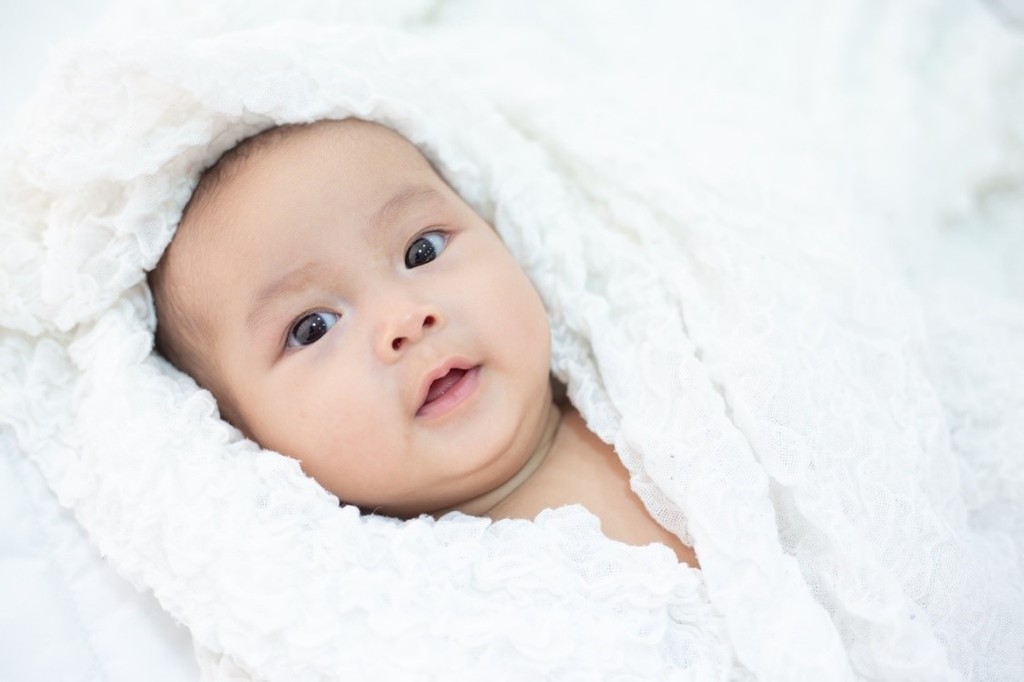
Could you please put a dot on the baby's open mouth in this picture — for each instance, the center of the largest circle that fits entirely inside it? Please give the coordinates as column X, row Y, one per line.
column 441, row 386
column 448, row 390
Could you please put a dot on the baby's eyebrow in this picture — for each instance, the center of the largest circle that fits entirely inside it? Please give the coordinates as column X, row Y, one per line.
column 401, row 201
column 294, row 280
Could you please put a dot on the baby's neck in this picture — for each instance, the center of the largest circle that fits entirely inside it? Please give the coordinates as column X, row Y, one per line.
column 501, row 496
column 559, row 467
column 571, row 465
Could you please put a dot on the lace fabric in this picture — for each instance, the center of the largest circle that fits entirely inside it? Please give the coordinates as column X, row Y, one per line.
column 845, row 459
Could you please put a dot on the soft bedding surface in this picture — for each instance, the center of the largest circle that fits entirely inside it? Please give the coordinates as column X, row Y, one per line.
column 793, row 397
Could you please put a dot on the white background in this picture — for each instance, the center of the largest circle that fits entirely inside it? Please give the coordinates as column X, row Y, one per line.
column 27, row 30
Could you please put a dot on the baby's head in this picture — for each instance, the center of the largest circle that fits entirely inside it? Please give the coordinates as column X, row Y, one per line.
column 347, row 308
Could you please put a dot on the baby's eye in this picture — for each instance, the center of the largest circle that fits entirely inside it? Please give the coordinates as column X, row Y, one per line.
column 424, row 249
column 310, row 328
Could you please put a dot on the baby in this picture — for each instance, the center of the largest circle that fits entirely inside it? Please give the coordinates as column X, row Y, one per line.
column 348, row 309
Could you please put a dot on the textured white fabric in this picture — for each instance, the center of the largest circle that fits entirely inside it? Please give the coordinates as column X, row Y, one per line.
column 846, row 462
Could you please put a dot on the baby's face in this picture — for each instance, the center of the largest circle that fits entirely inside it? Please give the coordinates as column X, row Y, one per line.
column 365, row 320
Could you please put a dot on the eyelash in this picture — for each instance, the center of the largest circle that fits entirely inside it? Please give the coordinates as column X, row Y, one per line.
column 322, row 314
column 434, row 251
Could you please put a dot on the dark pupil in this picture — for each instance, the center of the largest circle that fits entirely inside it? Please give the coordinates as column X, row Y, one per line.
column 310, row 328
column 422, row 251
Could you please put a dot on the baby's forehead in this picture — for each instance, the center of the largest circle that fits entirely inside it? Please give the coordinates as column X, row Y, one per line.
column 279, row 176
column 361, row 141
column 356, row 136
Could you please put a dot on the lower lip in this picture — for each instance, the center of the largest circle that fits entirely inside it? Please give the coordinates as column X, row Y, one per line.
column 456, row 395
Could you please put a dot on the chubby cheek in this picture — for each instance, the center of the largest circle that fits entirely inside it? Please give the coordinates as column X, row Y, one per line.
column 346, row 450
column 519, row 319
column 328, row 424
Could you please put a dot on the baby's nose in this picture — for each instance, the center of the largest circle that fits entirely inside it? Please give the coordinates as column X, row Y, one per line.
column 414, row 330
column 405, row 328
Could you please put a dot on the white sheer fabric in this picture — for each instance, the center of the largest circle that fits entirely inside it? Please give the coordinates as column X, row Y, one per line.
column 726, row 311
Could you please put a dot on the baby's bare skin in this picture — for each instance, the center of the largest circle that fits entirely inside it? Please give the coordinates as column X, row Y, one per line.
column 582, row 469
column 348, row 309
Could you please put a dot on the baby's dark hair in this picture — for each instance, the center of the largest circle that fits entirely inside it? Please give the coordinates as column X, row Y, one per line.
column 180, row 336
column 233, row 161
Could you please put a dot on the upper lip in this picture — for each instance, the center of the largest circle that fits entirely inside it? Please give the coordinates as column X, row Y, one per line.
column 438, row 372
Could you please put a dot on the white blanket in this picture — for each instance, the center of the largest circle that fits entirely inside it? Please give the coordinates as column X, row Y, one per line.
column 725, row 310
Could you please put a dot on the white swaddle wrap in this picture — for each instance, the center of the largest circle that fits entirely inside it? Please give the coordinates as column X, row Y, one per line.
column 756, row 361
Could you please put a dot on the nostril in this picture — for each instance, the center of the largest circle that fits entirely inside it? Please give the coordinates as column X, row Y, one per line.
column 396, row 344
column 429, row 321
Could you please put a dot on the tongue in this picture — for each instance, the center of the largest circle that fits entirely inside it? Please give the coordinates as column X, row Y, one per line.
column 442, row 385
